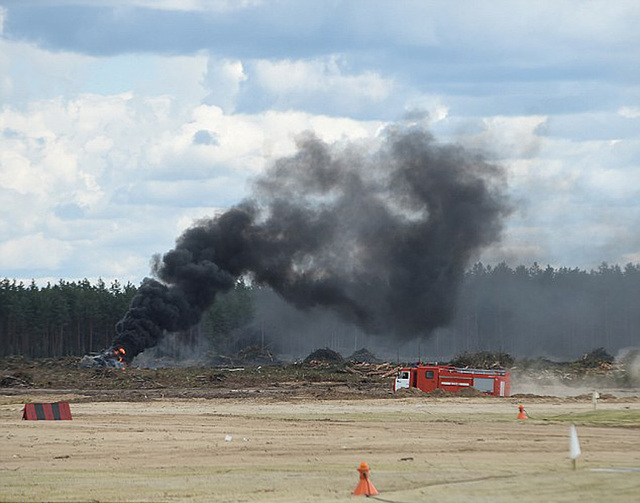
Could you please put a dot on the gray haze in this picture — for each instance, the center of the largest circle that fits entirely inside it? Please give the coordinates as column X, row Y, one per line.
column 379, row 236
column 560, row 314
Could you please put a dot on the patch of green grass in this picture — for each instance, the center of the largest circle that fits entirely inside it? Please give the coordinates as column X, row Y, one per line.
column 620, row 418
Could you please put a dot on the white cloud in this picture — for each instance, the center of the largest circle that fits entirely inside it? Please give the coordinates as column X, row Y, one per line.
column 28, row 72
column 33, row 252
column 114, row 176
column 574, row 192
column 614, row 184
column 223, row 79
column 541, row 31
column 244, row 142
column 630, row 112
column 292, row 81
column 514, row 137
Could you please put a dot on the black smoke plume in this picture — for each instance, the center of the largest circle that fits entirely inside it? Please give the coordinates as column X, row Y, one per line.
column 381, row 235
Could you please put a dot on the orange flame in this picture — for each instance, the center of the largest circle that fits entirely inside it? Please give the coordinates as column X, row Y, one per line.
column 119, row 354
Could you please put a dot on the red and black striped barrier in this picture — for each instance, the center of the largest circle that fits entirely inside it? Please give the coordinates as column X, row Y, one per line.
column 47, row 411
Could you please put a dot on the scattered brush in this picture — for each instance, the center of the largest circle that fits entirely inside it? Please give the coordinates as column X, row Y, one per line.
column 483, row 360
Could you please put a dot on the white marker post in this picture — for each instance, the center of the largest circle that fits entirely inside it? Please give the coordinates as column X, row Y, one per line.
column 594, row 399
column 574, row 445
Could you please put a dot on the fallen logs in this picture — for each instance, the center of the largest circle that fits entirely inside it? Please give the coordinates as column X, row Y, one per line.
column 372, row 369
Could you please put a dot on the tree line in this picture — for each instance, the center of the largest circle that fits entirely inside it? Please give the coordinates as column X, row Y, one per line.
column 67, row 318
column 550, row 311
column 525, row 311
column 77, row 318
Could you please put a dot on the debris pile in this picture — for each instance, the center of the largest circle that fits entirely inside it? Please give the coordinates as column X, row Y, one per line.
column 363, row 355
column 324, row 356
column 598, row 358
column 16, row 379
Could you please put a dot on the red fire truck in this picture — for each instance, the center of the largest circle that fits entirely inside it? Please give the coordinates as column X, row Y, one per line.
column 431, row 377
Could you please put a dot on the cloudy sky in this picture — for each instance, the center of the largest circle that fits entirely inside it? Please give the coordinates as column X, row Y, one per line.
column 122, row 121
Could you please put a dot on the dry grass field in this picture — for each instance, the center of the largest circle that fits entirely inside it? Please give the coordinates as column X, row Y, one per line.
column 262, row 446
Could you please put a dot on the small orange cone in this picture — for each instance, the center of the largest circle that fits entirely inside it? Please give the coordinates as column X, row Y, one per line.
column 364, row 487
column 522, row 414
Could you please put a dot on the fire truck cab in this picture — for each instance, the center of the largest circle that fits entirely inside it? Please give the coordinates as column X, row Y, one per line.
column 431, row 377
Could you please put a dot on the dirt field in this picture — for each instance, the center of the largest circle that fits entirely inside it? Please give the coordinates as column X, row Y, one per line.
column 259, row 445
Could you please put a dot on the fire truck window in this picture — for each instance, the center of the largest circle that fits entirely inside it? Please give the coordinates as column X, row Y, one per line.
column 404, row 375
column 429, row 374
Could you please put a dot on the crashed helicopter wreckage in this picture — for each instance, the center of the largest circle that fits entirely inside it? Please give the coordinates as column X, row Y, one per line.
column 110, row 358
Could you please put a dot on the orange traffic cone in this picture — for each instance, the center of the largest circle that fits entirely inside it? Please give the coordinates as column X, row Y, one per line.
column 522, row 414
column 364, row 487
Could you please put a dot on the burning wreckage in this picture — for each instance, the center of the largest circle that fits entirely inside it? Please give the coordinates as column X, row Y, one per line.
column 111, row 358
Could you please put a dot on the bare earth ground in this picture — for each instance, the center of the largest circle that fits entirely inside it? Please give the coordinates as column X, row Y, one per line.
column 304, row 443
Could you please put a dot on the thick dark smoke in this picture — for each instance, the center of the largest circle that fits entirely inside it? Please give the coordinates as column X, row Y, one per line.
column 381, row 236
